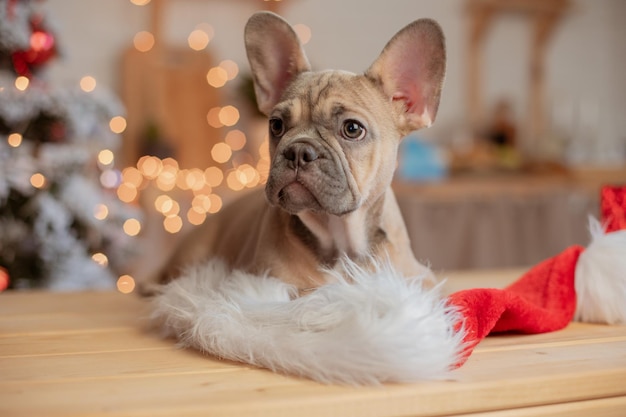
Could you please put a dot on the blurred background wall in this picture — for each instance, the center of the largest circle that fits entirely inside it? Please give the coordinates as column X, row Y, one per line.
column 585, row 63
column 482, row 188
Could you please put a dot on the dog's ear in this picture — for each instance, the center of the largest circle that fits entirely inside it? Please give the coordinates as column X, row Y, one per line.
column 276, row 57
column 411, row 68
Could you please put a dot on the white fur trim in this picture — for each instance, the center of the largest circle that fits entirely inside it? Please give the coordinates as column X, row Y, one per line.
column 381, row 327
column 601, row 278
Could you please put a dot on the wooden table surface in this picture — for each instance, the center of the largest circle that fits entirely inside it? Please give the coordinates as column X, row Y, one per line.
column 88, row 354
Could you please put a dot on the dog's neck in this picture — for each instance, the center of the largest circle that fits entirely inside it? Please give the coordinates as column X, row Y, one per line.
column 354, row 234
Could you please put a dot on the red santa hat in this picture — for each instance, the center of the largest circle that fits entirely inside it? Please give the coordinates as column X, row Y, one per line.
column 583, row 284
column 378, row 326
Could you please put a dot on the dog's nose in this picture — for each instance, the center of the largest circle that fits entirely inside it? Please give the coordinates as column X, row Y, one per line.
column 300, row 154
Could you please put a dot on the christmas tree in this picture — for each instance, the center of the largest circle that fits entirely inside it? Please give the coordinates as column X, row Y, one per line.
column 61, row 225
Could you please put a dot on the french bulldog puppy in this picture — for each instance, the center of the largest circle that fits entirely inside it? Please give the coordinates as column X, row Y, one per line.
column 334, row 138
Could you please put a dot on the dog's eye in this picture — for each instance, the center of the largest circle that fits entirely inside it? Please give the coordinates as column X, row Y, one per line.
column 277, row 127
column 352, row 130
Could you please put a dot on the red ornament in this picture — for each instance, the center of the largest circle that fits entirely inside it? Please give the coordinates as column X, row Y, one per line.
column 4, row 279
column 613, row 207
column 42, row 49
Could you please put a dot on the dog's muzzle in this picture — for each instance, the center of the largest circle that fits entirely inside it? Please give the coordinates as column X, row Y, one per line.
column 299, row 155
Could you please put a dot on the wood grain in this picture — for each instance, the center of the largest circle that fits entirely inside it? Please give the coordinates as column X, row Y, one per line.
column 90, row 354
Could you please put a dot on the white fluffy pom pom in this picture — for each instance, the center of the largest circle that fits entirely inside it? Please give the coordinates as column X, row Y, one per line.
column 601, row 278
column 366, row 328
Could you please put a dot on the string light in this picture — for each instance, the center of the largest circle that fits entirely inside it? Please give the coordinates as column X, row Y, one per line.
column 198, row 39
column 172, row 208
column 150, row 166
column 231, row 68
column 106, row 157
column 173, row 224
column 37, row 180
column 221, row 152
column 195, row 217
column 195, row 179
column 125, row 284
column 207, row 28
column 163, row 203
column 100, row 258
column 213, row 176
column 14, row 140
column 248, row 176
column 117, row 124
column 101, row 212
column 143, row 41
column 236, row 139
column 229, row 115
column 244, row 170
column 232, row 180
column 88, row 84
column 166, row 180
column 132, row 227
column 21, row 83
column 217, row 77
column 109, row 178
column 206, row 189
column 216, row 203
column 132, row 176
column 201, row 203
column 181, row 180
column 213, row 117
column 127, row 192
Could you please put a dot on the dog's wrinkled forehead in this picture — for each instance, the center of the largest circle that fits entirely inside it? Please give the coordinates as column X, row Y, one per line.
column 326, row 95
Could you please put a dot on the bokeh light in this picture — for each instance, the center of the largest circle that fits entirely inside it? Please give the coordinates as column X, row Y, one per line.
column 236, row 139
column 198, row 39
column 14, row 140
column 21, row 83
column 195, row 217
column 127, row 192
column 88, row 83
column 217, row 77
column 143, row 41
column 213, row 176
column 109, row 178
column 232, row 181
column 213, row 117
column 37, row 180
column 216, row 203
column 100, row 258
column 229, row 115
column 132, row 176
column 125, row 284
column 201, row 203
column 132, row 227
column 117, row 124
column 166, row 180
column 106, row 157
column 221, row 152
column 163, row 203
column 173, row 224
column 231, row 68
column 150, row 166
column 101, row 212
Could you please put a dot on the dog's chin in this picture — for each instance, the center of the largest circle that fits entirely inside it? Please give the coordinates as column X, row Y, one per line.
column 295, row 197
